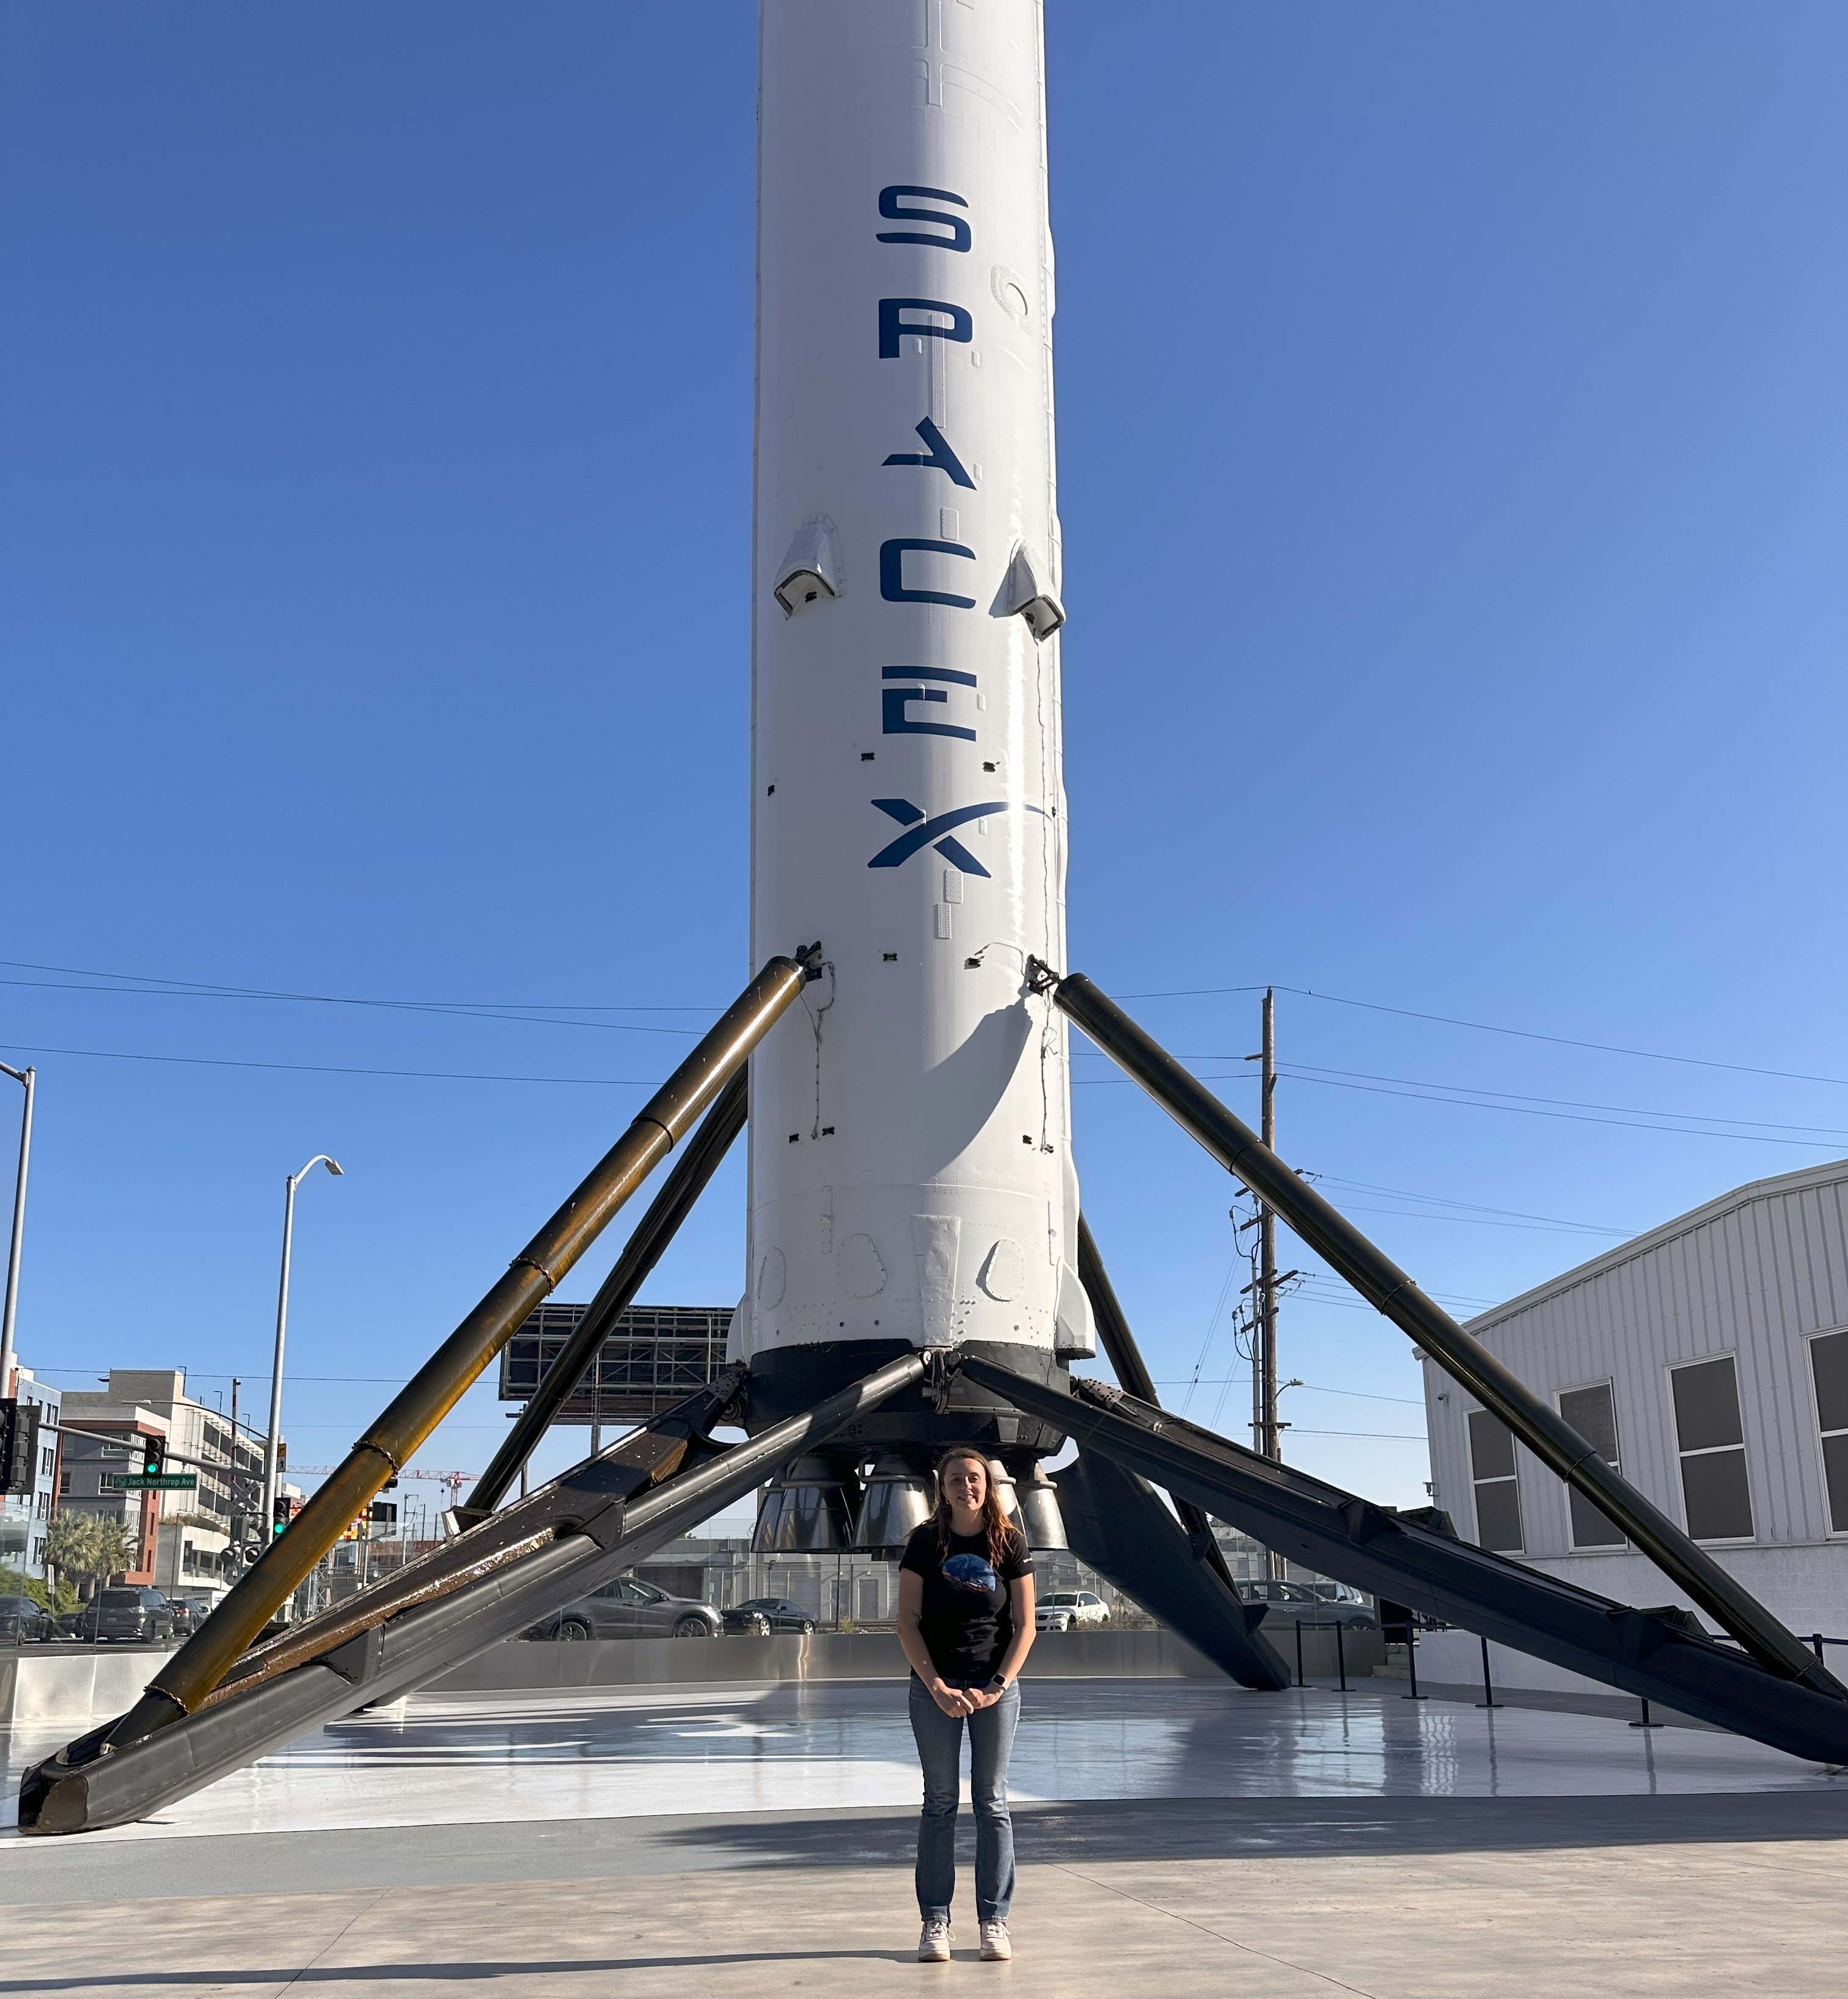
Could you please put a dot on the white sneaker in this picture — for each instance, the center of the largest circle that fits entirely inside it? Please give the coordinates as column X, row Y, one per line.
column 997, row 1947
column 934, row 1941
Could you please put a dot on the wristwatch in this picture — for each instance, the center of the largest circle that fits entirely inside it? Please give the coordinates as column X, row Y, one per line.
column 1000, row 1680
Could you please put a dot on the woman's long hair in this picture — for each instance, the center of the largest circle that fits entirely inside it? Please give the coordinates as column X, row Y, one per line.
column 993, row 1519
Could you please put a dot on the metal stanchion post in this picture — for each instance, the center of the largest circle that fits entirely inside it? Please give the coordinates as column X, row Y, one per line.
column 1645, row 1722
column 1412, row 1664
column 1299, row 1651
column 1815, row 1645
column 1488, row 1698
column 1340, row 1656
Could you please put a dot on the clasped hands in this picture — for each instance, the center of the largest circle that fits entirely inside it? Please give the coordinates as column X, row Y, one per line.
column 959, row 1701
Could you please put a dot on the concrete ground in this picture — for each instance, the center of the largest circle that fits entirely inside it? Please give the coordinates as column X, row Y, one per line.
column 1177, row 1837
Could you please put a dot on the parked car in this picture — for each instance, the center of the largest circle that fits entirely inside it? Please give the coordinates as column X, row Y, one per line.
column 1296, row 1602
column 79, row 1624
column 628, row 1609
column 1069, row 1610
column 130, row 1613
column 188, row 1613
column 778, row 1614
column 23, row 1622
column 1337, row 1592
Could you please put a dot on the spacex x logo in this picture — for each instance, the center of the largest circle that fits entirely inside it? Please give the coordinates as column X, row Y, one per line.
column 935, row 832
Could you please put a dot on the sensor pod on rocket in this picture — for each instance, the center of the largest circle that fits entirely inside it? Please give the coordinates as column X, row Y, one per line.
column 911, row 1178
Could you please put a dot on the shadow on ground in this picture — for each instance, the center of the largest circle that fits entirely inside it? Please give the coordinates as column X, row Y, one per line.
column 79, row 1870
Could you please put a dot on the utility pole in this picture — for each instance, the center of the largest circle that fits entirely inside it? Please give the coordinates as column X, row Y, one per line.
column 29, row 1077
column 1264, row 1434
column 1265, row 1346
column 1263, row 1288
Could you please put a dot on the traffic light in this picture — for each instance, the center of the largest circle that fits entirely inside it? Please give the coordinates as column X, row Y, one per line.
column 18, row 1446
column 153, row 1457
column 284, row 1513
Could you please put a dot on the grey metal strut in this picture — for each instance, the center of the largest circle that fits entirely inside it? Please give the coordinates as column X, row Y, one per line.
column 183, row 1681
column 1125, row 1356
column 1660, row 1655
column 567, row 1540
column 699, row 1159
column 1378, row 1280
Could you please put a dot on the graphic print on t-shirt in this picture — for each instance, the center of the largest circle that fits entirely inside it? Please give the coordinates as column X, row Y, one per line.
column 971, row 1572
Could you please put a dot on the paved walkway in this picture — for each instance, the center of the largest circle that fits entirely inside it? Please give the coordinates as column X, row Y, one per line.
column 1186, row 1838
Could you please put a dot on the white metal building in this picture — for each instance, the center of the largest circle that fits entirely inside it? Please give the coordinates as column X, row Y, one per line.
column 1709, row 1360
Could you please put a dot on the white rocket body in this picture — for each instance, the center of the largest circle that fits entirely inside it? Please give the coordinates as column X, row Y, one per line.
column 911, row 1173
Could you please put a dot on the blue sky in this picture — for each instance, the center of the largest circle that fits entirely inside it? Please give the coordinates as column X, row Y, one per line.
column 1451, row 429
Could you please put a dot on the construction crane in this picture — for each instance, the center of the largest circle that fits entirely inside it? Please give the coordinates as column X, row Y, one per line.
column 455, row 1480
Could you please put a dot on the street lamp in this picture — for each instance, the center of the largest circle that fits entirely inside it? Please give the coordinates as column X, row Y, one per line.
column 267, row 1530
column 29, row 1078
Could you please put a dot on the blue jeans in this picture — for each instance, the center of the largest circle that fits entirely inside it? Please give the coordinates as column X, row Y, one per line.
column 940, row 1750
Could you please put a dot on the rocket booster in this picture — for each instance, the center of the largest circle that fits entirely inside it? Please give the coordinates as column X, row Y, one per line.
column 911, row 1173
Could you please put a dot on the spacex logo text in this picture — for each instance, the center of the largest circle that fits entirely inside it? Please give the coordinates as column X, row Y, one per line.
column 925, row 832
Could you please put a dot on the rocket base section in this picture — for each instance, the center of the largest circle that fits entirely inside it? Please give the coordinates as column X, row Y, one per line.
column 1657, row 1655
column 1114, row 1523
column 785, row 1380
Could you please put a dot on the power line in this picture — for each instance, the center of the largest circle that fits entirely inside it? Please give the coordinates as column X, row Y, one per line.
column 1482, row 1220
column 1307, row 1072
column 533, row 1012
column 1476, row 1207
column 205, row 1374
column 1372, row 1436
column 1621, row 1124
column 156, row 985
column 154, row 980
column 1490, row 1027
column 329, row 1068
column 1309, row 1387
column 1312, row 1072
column 1427, row 1094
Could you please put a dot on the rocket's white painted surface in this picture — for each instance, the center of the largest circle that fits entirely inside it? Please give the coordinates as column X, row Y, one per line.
column 911, row 1174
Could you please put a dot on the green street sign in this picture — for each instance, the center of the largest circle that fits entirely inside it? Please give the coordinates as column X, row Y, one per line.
column 155, row 1481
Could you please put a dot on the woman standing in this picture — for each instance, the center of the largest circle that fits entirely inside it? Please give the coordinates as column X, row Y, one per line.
column 966, row 1620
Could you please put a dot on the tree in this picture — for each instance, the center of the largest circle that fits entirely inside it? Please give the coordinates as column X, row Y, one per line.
column 93, row 1547
column 16, row 1582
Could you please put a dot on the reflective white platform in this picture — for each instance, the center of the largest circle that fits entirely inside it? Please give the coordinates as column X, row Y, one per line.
column 844, row 1745
column 1176, row 1838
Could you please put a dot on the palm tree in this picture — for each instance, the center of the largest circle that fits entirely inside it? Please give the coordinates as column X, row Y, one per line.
column 90, row 1547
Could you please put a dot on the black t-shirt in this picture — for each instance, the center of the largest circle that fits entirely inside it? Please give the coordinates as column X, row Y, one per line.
column 967, row 1621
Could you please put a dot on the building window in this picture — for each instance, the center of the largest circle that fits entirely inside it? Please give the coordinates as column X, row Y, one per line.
column 1712, row 1443
column 1497, row 1490
column 1592, row 1413
column 1829, row 1370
